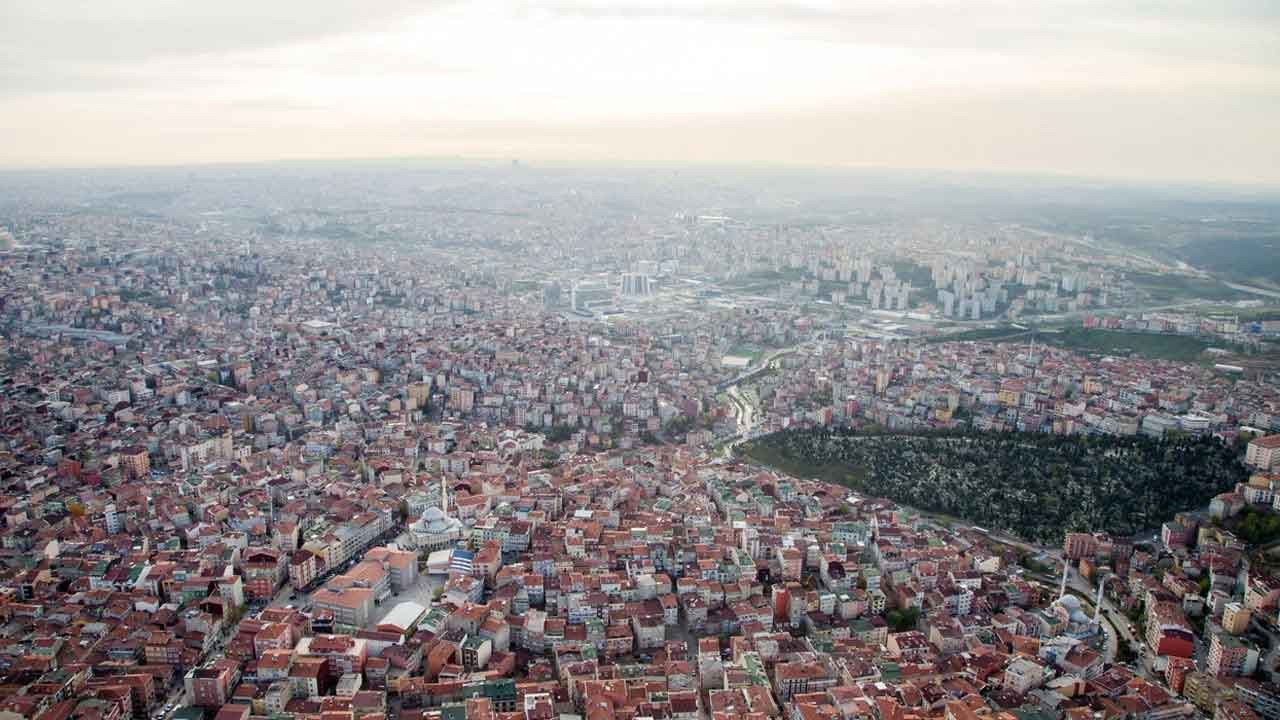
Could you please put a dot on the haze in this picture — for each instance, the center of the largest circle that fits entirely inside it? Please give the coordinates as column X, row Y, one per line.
column 1153, row 91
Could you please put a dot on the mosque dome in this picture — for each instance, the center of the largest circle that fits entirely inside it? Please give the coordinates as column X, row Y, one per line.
column 434, row 521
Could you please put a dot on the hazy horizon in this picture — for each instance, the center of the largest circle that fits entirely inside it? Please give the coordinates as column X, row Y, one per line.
column 1179, row 93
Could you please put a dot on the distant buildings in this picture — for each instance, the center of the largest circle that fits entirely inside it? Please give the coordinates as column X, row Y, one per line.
column 587, row 294
column 198, row 438
column 637, row 285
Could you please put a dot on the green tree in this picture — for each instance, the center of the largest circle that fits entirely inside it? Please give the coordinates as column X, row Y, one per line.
column 904, row 619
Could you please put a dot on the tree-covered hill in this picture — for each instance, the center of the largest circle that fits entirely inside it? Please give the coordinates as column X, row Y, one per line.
column 1032, row 485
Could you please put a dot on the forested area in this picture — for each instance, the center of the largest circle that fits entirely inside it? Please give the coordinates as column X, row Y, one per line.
column 1036, row 486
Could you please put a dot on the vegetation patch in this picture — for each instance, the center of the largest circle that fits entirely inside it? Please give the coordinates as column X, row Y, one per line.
column 1180, row 288
column 751, row 352
column 1256, row 527
column 1117, row 342
column 1032, row 485
column 1158, row 346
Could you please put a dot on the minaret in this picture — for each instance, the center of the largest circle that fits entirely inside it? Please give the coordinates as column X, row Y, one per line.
column 444, row 496
column 1066, row 570
column 1097, row 606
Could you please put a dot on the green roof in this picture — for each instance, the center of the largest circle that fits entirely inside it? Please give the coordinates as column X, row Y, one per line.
column 499, row 689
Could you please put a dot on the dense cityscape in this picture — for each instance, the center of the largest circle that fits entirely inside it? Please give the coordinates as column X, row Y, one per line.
column 496, row 442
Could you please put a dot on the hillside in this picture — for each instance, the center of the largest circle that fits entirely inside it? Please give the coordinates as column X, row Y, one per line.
column 1032, row 485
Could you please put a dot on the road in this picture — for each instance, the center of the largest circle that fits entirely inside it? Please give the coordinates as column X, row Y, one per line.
column 1253, row 290
column 743, row 410
column 285, row 596
column 765, row 362
column 1115, row 624
column 175, row 698
column 1268, row 661
column 745, row 414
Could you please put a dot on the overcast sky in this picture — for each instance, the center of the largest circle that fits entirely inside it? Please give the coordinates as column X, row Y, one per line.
column 1113, row 88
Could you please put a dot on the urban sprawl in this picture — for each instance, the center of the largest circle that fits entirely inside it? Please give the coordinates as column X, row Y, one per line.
column 420, row 462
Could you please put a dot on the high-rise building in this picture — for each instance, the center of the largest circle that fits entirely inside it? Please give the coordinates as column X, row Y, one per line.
column 551, row 294
column 1229, row 655
column 948, row 301
column 637, row 285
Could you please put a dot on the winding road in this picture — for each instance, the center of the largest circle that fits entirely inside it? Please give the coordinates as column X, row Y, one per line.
column 743, row 409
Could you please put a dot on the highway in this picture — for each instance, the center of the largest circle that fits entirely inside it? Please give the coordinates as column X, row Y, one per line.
column 743, row 410
column 763, row 366
column 1253, row 290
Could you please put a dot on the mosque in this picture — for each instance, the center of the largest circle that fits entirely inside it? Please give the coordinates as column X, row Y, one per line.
column 1072, row 619
column 1066, row 616
column 435, row 530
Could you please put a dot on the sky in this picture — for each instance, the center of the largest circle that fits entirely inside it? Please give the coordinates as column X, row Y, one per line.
column 1163, row 91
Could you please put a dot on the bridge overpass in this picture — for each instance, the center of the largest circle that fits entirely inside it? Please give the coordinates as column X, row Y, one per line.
column 765, row 363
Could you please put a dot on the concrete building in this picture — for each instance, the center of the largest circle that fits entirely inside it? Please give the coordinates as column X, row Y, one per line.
column 1235, row 618
column 1263, row 453
column 589, row 293
column 637, row 285
column 1229, row 656
column 350, row 606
